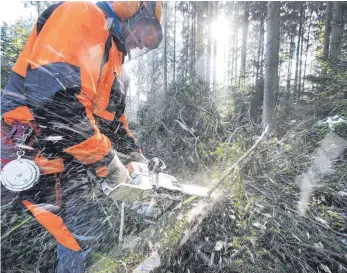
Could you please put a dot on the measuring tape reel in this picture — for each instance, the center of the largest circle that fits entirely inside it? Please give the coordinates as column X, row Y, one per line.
column 20, row 175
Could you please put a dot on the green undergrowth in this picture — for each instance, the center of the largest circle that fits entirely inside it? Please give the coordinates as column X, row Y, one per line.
column 259, row 213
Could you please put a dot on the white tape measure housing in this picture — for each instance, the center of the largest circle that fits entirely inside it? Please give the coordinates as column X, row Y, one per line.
column 20, row 175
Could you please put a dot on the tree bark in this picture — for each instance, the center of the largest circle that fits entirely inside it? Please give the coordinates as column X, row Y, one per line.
column 290, row 62
column 125, row 79
column 298, row 56
column 306, row 53
column 174, row 49
column 327, row 31
column 209, row 44
column 189, row 40
column 301, row 51
column 214, row 54
column 336, row 30
column 236, row 51
column 168, row 234
column 244, row 42
column 214, row 80
column 165, row 46
column 262, row 56
column 200, row 9
column 271, row 63
column 232, row 56
column 260, row 44
column 193, row 42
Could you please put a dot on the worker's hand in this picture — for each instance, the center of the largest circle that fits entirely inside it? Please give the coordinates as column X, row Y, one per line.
column 138, row 157
column 117, row 173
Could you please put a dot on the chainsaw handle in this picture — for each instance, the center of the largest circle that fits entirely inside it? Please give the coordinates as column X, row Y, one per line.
column 156, row 165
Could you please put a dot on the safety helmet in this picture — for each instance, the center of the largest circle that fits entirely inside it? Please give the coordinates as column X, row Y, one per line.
column 140, row 23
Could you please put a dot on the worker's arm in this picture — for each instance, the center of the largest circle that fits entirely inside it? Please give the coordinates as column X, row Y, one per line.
column 110, row 116
column 61, row 83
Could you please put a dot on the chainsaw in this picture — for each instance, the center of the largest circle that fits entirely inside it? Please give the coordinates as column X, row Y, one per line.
column 148, row 181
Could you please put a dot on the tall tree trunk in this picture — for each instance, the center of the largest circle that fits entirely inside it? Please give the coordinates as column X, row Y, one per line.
column 271, row 63
column 193, row 37
column 290, row 62
column 306, row 51
column 125, row 79
column 244, row 42
column 300, row 63
column 327, row 31
column 261, row 73
column 165, row 46
column 209, row 44
column 174, row 49
column 187, row 41
column 236, row 52
column 200, row 9
column 214, row 66
column 336, row 30
column 260, row 43
column 232, row 56
column 298, row 56
column 214, row 53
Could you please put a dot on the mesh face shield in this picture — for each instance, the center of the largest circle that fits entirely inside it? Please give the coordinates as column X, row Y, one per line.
column 143, row 30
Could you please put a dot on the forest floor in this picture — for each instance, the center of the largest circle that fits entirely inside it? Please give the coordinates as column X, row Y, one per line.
column 260, row 225
column 256, row 227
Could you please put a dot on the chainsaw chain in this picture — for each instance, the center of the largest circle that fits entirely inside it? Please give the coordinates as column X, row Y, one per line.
column 165, row 194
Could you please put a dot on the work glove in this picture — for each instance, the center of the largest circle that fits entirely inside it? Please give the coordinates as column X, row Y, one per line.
column 116, row 172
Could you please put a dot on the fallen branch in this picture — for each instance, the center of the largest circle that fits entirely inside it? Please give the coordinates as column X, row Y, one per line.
column 202, row 256
column 121, row 228
column 319, row 224
column 16, row 227
column 238, row 162
column 167, row 129
column 239, row 252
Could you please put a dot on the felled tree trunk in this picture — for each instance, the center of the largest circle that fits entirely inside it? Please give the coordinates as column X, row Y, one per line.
column 155, row 245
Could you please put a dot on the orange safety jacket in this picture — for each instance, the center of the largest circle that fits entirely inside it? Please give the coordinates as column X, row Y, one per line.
column 66, row 77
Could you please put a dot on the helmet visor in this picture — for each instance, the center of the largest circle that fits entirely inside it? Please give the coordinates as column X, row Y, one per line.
column 150, row 32
column 142, row 31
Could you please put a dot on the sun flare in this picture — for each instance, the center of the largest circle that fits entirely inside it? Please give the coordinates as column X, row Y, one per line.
column 220, row 30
